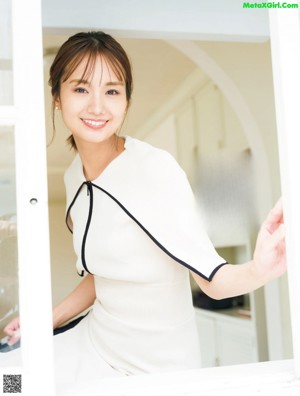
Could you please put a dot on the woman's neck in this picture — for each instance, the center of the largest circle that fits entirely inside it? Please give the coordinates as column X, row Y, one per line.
column 96, row 157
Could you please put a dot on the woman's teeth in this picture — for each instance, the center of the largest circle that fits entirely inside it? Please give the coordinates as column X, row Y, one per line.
column 94, row 123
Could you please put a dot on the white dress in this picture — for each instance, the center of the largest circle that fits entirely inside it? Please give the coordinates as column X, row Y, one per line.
column 136, row 228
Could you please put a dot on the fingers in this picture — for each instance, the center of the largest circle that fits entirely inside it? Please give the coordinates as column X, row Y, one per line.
column 275, row 217
column 12, row 330
column 14, row 338
column 270, row 252
column 277, row 237
column 271, row 240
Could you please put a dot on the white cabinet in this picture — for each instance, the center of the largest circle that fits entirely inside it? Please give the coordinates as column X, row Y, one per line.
column 225, row 339
column 226, row 336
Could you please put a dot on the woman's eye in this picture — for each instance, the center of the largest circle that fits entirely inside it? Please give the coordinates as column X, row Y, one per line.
column 80, row 90
column 112, row 92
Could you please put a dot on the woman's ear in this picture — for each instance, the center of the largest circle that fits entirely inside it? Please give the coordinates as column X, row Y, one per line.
column 56, row 103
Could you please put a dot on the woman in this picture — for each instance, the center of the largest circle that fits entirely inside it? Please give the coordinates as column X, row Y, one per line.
column 136, row 232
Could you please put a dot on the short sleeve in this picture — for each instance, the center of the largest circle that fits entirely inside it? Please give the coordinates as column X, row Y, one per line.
column 154, row 191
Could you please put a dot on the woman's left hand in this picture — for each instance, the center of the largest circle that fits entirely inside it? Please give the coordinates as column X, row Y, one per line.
column 269, row 257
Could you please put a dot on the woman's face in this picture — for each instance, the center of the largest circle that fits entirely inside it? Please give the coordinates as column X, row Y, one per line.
column 93, row 110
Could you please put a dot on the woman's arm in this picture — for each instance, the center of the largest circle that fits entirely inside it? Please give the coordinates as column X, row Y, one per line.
column 269, row 262
column 81, row 298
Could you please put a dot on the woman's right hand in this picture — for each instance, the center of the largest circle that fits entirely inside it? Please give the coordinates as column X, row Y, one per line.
column 12, row 330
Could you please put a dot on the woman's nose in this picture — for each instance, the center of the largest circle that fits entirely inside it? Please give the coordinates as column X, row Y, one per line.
column 96, row 104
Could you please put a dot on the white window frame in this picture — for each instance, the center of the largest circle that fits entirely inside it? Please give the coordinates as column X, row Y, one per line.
column 27, row 116
column 285, row 48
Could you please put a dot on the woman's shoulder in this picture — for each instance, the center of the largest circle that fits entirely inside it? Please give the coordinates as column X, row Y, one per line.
column 143, row 147
column 148, row 155
column 74, row 171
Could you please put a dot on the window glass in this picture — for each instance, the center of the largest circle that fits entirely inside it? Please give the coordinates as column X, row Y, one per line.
column 8, row 233
column 6, row 76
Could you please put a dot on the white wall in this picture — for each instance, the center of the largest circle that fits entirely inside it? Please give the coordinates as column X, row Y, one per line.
column 249, row 67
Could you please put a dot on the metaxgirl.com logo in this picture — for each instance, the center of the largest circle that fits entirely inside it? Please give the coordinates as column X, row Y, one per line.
column 269, row 4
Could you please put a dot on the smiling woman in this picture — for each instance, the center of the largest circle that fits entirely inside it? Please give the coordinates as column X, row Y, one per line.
column 78, row 61
column 94, row 111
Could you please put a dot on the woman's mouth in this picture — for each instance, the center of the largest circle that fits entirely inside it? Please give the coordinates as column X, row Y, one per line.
column 94, row 123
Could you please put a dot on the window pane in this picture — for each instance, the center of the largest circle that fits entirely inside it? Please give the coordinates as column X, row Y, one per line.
column 8, row 233
column 6, row 86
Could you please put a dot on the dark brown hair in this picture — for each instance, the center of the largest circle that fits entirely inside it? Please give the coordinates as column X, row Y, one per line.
column 90, row 45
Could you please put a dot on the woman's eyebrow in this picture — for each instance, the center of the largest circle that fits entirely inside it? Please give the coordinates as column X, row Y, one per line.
column 115, row 83
column 79, row 81
column 86, row 82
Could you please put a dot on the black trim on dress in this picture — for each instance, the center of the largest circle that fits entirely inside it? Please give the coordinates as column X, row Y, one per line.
column 90, row 186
